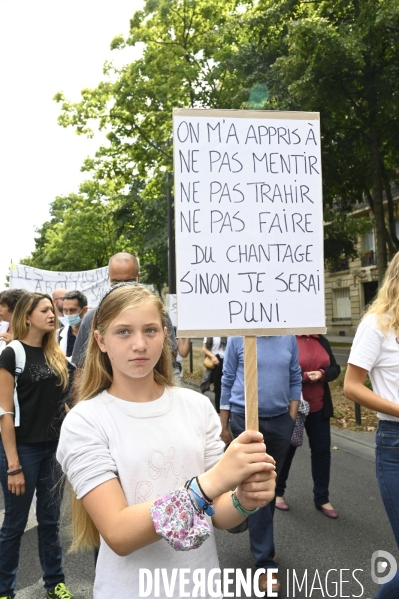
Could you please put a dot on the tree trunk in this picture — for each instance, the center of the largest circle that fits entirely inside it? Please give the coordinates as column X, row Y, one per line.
column 391, row 215
column 382, row 255
column 388, row 239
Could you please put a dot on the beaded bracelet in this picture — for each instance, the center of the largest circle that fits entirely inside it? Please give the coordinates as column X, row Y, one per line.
column 240, row 509
column 202, row 491
column 205, row 506
column 17, row 471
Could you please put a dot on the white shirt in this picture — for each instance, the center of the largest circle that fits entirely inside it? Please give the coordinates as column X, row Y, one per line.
column 152, row 448
column 4, row 326
column 216, row 349
column 378, row 352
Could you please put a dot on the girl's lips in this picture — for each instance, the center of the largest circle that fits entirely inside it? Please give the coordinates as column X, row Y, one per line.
column 140, row 360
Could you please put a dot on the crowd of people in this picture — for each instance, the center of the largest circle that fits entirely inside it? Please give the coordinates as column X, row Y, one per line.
column 96, row 395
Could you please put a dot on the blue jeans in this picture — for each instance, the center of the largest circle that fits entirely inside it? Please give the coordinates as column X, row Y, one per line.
column 390, row 590
column 387, row 469
column 42, row 473
column 277, row 433
column 318, row 431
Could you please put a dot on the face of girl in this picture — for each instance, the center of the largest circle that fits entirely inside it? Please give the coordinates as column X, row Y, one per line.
column 42, row 317
column 134, row 341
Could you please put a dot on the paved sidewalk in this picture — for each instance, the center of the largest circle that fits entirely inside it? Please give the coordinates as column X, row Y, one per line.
column 359, row 444
column 362, row 437
column 340, row 339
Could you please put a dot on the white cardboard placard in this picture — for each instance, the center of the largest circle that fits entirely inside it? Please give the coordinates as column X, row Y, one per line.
column 249, row 222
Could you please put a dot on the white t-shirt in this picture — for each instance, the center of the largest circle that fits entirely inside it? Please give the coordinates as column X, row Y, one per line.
column 152, row 448
column 4, row 326
column 378, row 353
column 216, row 349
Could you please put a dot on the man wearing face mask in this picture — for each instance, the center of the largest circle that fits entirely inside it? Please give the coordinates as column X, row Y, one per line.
column 74, row 308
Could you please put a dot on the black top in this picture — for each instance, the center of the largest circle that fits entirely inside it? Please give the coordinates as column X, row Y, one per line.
column 40, row 403
column 331, row 373
column 70, row 342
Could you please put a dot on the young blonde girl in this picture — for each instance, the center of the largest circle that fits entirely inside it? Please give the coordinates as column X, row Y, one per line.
column 133, row 439
column 27, row 448
column 375, row 351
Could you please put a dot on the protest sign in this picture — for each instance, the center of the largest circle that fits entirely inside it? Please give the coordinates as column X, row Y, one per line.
column 248, row 222
column 93, row 283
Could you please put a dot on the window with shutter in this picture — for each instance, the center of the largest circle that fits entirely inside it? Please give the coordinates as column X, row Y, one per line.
column 342, row 304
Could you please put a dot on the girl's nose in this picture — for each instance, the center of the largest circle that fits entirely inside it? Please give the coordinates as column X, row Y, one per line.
column 139, row 342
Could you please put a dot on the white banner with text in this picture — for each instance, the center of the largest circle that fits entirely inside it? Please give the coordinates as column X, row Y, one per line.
column 93, row 283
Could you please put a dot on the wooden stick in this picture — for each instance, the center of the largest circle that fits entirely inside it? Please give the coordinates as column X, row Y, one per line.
column 251, row 384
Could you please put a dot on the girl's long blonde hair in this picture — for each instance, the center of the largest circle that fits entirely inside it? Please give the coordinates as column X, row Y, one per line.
column 97, row 377
column 54, row 356
column 386, row 304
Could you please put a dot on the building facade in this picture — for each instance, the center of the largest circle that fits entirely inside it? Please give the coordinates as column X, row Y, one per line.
column 353, row 285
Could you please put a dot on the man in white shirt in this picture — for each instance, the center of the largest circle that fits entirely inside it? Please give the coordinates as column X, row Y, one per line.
column 74, row 308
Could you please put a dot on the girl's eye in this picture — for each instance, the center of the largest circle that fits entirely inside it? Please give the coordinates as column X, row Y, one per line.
column 122, row 332
column 151, row 330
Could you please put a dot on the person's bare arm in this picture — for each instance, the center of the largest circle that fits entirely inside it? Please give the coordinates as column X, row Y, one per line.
column 128, row 528
column 5, row 336
column 208, row 353
column 16, row 482
column 355, row 390
column 224, row 420
column 183, row 346
column 257, row 491
column 293, row 409
column 124, row 528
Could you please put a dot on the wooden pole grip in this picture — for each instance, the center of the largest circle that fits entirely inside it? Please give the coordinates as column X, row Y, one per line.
column 251, row 384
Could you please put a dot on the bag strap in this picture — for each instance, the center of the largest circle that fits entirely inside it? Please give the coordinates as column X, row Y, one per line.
column 20, row 361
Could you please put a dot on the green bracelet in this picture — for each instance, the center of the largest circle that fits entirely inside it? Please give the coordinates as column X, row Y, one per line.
column 241, row 510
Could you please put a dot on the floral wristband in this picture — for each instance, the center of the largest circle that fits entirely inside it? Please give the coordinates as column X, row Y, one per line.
column 178, row 522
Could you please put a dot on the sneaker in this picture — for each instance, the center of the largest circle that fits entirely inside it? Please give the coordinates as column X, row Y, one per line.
column 60, row 592
column 6, row 597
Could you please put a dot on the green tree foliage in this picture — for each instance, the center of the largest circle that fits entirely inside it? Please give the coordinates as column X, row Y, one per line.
column 341, row 58
column 141, row 222
column 341, row 233
column 87, row 228
column 338, row 57
column 80, row 234
column 185, row 62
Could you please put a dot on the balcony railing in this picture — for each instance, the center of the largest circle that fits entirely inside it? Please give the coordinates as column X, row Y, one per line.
column 369, row 259
column 342, row 264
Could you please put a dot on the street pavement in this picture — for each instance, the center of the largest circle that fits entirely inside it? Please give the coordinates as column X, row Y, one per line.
column 308, row 544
